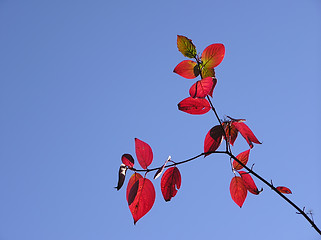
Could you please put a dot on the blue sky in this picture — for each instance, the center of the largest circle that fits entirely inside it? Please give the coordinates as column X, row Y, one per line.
column 80, row 80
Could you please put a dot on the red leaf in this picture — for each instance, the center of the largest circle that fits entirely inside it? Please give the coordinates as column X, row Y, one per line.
column 246, row 133
column 121, row 176
column 186, row 46
column 213, row 139
column 231, row 132
column 128, row 160
column 238, row 190
column 243, row 157
column 284, row 190
column 144, row 153
column 202, row 88
column 141, row 198
column 171, row 181
column 131, row 182
column 195, row 106
column 213, row 55
column 249, row 183
column 187, row 69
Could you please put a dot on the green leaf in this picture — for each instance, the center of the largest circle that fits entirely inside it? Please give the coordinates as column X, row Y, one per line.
column 186, row 47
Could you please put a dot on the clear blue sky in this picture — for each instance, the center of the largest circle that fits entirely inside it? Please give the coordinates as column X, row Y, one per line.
column 79, row 80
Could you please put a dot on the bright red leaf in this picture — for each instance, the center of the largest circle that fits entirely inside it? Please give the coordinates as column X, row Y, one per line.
column 141, row 198
column 238, row 190
column 213, row 55
column 186, row 46
column 187, row 69
column 243, row 157
column 131, row 182
column 170, row 183
column 284, row 190
column 128, row 160
column 195, row 106
column 144, row 153
column 213, row 139
column 249, row 183
column 246, row 133
column 203, row 87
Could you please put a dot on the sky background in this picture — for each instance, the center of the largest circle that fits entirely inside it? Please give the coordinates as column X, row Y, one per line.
column 79, row 80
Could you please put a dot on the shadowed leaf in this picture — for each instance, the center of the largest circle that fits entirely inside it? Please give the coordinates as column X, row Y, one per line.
column 203, row 87
column 128, row 160
column 213, row 139
column 160, row 170
column 171, row 181
column 284, row 190
column 121, row 176
column 131, row 182
column 187, row 69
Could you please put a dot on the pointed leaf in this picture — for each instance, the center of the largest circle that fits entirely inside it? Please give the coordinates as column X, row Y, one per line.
column 160, row 170
column 243, row 157
column 170, row 183
column 246, row 133
column 213, row 139
column 121, row 176
column 284, row 190
column 203, row 87
column 134, row 178
column 144, row 153
column 187, row 69
column 128, row 160
column 231, row 132
column 249, row 183
column 213, row 55
column 238, row 190
column 186, row 46
column 195, row 106
column 141, row 198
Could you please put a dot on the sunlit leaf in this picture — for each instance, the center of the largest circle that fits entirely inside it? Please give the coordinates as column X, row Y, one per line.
column 187, row 69
column 213, row 55
column 243, row 157
column 238, row 190
column 249, row 183
column 195, row 106
column 213, row 139
column 203, row 87
column 144, row 153
column 128, row 160
column 186, row 46
column 284, row 190
column 141, row 198
column 131, row 182
column 121, row 176
column 246, row 133
column 160, row 170
column 170, row 183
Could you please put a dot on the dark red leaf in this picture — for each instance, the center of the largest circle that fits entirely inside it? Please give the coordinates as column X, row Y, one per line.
column 121, row 176
column 131, row 182
column 160, row 170
column 141, row 198
column 144, row 153
column 284, row 190
column 203, row 87
column 246, row 133
column 238, row 190
column 128, row 160
column 213, row 55
column 171, row 181
column 187, row 69
column 231, row 132
column 213, row 139
column 249, row 183
column 195, row 106
column 186, row 46
column 243, row 157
